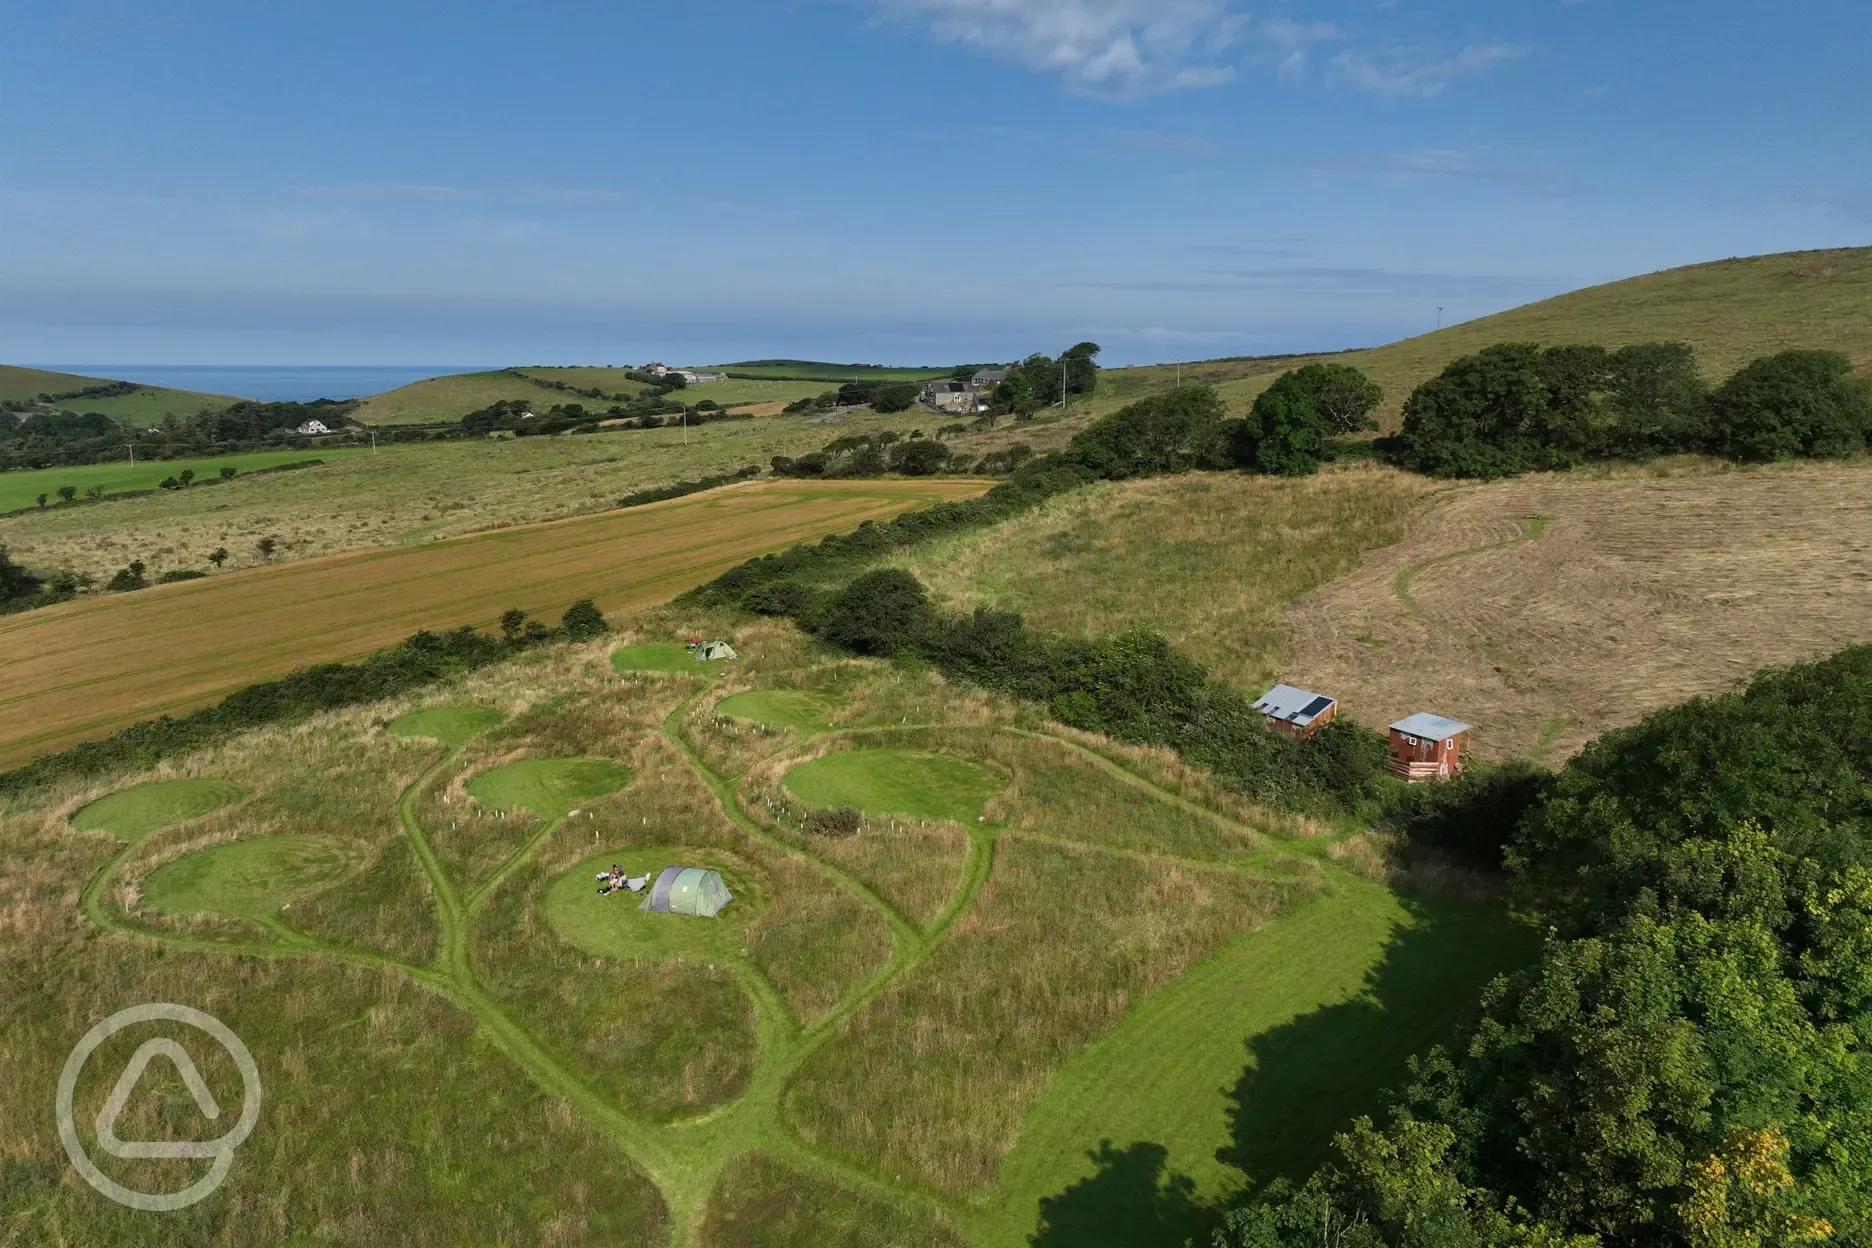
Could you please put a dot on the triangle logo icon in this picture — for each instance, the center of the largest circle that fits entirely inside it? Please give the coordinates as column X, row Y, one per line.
column 178, row 1057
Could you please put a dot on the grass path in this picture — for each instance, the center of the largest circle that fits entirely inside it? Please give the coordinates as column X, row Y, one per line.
column 1158, row 1078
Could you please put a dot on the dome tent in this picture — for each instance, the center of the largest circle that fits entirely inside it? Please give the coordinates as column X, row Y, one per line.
column 688, row 890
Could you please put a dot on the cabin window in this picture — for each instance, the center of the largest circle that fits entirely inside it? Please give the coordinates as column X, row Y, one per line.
column 1409, row 740
column 1450, row 744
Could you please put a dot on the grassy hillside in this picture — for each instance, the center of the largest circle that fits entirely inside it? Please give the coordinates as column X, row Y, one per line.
column 147, row 406
column 857, row 1051
column 450, row 398
column 609, row 380
column 1731, row 311
column 818, row 370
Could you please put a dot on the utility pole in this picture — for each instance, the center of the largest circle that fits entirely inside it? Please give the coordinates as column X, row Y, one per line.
column 1439, row 318
column 131, row 447
column 373, row 441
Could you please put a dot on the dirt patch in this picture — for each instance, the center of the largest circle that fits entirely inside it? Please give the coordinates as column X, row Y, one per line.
column 1550, row 609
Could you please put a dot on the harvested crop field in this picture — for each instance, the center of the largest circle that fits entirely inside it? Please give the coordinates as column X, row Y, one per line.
column 1550, row 609
column 87, row 668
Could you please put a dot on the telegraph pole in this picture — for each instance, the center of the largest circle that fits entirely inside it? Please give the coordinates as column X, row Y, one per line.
column 131, row 447
column 1439, row 318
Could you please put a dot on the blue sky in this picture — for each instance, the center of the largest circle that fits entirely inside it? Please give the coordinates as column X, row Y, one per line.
column 218, row 181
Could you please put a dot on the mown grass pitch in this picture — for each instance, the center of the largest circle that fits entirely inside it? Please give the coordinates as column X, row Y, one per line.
column 451, row 725
column 549, row 787
column 661, row 656
column 613, row 926
column 131, row 814
column 807, row 710
column 897, row 782
column 248, row 879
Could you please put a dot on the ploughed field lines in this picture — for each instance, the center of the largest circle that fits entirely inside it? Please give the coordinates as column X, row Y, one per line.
column 85, row 669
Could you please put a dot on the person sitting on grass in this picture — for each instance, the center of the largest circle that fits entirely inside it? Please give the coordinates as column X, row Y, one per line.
column 610, row 881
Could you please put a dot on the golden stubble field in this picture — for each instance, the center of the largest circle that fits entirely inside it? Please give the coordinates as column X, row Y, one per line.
column 87, row 668
column 1553, row 608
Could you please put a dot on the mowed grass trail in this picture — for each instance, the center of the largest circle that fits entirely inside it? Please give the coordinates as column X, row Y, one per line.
column 85, row 669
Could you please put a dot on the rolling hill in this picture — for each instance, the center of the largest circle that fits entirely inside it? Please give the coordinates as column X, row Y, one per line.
column 1731, row 311
column 145, row 404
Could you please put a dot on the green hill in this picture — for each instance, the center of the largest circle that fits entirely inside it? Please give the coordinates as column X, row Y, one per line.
column 452, row 397
column 819, row 370
column 145, row 404
column 1731, row 311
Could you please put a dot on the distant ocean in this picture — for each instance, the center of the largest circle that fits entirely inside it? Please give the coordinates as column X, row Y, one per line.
column 272, row 383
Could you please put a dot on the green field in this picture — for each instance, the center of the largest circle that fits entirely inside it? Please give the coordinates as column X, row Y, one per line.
column 442, row 399
column 661, row 656
column 897, row 782
column 816, row 370
column 918, row 1036
column 21, row 487
column 147, row 406
column 133, row 813
column 803, row 709
column 740, row 392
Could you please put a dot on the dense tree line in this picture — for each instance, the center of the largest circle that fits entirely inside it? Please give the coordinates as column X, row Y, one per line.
column 680, row 489
column 46, row 439
column 1688, row 1063
column 422, row 659
column 1041, row 381
column 1516, row 407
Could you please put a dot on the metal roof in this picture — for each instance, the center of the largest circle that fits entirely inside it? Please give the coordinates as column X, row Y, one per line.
column 1424, row 724
column 1291, row 705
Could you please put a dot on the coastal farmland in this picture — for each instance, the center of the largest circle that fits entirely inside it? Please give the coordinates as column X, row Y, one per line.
column 90, row 667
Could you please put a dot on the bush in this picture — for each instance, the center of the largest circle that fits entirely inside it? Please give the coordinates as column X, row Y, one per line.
column 180, row 574
column 919, row 457
column 128, row 578
column 1287, row 431
column 1474, row 816
column 1795, row 404
column 841, row 823
column 896, row 398
column 583, row 621
column 881, row 613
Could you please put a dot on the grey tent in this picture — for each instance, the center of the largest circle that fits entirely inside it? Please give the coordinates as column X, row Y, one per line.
column 688, row 890
column 716, row 651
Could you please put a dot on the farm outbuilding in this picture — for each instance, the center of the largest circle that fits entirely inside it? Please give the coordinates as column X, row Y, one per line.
column 1427, row 747
column 1297, row 712
column 693, row 891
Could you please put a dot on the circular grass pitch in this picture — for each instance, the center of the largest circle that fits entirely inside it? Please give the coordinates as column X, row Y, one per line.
column 549, row 787
column 897, row 782
column 802, row 709
column 248, row 879
column 453, row 726
column 661, row 656
column 132, row 814
column 613, row 926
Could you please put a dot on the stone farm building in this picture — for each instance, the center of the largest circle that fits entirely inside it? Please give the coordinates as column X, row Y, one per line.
column 1296, row 712
column 1427, row 747
column 949, row 396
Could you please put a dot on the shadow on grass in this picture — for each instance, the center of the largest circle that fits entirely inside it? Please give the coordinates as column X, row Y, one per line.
column 1304, row 1082
column 1131, row 1202
column 1307, row 1080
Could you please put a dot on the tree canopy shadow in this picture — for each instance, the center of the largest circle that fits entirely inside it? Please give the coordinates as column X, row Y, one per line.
column 1307, row 1080
column 1134, row 1201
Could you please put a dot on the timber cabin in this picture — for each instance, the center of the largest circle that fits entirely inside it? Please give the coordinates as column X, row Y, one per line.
column 1427, row 747
column 1296, row 712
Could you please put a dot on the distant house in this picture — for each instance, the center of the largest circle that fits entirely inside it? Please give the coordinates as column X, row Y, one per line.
column 311, row 428
column 656, row 367
column 988, row 378
column 1427, row 747
column 1296, row 712
column 705, row 377
column 948, row 396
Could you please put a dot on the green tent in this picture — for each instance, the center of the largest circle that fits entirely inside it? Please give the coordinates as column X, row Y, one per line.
column 717, row 652
column 688, row 890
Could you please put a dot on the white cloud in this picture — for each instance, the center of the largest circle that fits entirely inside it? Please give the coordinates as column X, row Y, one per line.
column 1418, row 72
column 1290, row 41
column 1109, row 47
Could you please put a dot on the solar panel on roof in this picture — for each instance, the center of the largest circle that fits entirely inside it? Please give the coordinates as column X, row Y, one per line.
column 1316, row 706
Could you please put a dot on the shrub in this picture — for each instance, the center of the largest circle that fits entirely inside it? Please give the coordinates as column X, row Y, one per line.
column 1287, row 431
column 180, row 574
column 128, row 578
column 896, row 398
column 880, row 613
column 1797, row 403
column 919, row 457
column 583, row 621
column 840, row 823
column 1474, row 816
